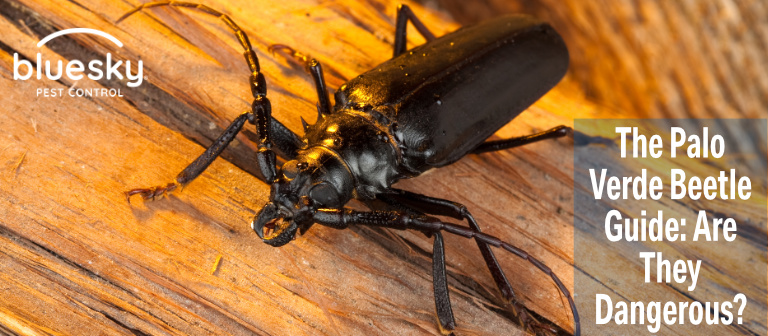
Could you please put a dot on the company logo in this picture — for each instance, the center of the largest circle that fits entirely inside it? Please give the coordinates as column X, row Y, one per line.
column 76, row 70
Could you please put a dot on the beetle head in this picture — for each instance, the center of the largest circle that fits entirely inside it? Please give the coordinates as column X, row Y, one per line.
column 317, row 178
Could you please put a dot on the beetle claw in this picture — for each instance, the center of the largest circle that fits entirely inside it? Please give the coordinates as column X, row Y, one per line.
column 151, row 193
column 529, row 322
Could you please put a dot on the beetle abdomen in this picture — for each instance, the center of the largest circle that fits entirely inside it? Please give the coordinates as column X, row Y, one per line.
column 449, row 95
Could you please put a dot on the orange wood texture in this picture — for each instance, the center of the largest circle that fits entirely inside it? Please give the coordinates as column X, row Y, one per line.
column 659, row 59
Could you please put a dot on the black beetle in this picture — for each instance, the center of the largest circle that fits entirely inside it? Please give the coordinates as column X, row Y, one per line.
column 422, row 109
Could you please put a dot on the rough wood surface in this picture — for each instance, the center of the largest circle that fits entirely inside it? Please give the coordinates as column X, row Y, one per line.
column 660, row 59
column 76, row 258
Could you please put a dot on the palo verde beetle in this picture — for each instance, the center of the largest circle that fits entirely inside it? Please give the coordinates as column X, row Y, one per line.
column 422, row 109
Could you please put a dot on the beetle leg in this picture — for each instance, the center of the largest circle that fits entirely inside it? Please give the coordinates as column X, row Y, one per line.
column 343, row 218
column 202, row 162
column 323, row 103
column 420, row 204
column 285, row 141
column 195, row 168
column 440, row 287
column 296, row 58
column 491, row 146
column 404, row 13
column 270, row 131
column 313, row 67
column 439, row 278
column 442, row 207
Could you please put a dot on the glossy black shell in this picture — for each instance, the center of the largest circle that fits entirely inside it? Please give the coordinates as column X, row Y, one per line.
column 442, row 99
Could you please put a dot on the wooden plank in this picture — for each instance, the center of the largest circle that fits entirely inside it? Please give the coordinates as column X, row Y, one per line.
column 76, row 257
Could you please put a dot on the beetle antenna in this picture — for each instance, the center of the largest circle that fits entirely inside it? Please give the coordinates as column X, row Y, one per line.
column 250, row 56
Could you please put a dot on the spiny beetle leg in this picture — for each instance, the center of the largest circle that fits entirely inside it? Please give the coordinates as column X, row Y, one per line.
column 313, row 67
column 404, row 13
column 343, row 218
column 491, row 146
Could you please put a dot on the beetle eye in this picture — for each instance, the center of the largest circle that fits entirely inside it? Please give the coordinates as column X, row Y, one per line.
column 326, row 195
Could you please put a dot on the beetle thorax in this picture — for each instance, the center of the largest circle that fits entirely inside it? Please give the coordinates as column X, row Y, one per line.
column 361, row 144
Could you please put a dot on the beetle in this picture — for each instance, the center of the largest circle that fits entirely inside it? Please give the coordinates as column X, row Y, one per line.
column 424, row 108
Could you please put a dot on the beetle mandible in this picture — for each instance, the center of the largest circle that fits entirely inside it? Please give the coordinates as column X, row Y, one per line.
column 393, row 122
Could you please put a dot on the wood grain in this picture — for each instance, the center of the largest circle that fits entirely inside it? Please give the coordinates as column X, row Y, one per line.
column 76, row 258
column 658, row 59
